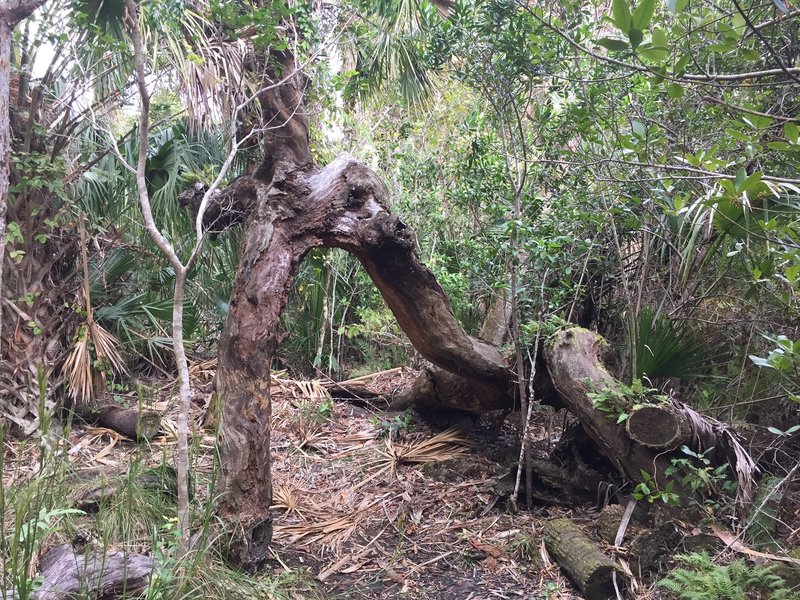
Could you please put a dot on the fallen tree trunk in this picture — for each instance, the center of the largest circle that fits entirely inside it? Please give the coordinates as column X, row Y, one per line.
column 575, row 368
column 133, row 423
column 581, row 559
column 573, row 361
column 68, row 572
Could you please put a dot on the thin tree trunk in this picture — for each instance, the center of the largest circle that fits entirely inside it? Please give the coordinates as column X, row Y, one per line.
column 181, row 272
column 11, row 13
column 5, row 143
column 185, row 402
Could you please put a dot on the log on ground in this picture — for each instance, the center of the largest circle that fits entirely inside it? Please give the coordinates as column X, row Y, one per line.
column 90, row 572
column 133, row 423
column 581, row 559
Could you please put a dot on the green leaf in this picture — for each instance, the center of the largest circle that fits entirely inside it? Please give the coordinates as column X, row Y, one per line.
column 639, row 130
column 614, row 44
column 683, row 62
column 635, row 36
column 676, row 6
column 792, row 273
column 791, row 132
column 653, row 53
column 621, row 15
column 750, row 54
column 643, row 14
column 659, row 38
column 741, row 177
column 675, row 90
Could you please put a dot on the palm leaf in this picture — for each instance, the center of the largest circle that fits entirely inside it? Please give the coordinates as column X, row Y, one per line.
column 666, row 349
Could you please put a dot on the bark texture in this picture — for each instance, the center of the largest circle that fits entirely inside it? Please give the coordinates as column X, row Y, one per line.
column 88, row 572
column 289, row 206
column 574, row 365
column 576, row 370
column 11, row 13
column 580, row 558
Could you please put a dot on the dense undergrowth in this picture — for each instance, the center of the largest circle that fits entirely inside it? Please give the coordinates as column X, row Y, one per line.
column 635, row 170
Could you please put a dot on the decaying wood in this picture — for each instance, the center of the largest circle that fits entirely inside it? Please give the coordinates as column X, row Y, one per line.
column 575, row 368
column 580, row 558
column 133, row 423
column 439, row 388
column 660, row 426
column 69, row 571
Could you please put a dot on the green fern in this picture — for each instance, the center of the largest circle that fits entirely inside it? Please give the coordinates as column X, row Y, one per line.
column 701, row 579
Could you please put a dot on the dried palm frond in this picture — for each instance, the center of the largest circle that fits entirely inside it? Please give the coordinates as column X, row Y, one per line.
column 330, row 531
column 86, row 373
column 443, row 446
column 285, row 497
column 708, row 433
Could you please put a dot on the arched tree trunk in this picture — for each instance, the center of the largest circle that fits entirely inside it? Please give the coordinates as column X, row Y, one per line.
column 289, row 206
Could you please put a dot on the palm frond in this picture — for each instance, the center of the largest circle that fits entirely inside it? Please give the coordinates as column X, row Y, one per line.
column 663, row 348
column 446, row 445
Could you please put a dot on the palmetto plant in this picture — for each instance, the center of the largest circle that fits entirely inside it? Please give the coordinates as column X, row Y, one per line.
column 664, row 348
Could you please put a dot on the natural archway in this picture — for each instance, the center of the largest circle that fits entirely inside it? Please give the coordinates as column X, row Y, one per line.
column 288, row 206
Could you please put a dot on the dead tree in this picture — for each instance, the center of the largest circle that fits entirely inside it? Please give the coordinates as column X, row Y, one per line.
column 289, row 206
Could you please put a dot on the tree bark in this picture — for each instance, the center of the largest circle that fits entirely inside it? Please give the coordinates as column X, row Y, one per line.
column 575, row 369
column 290, row 206
column 580, row 558
column 573, row 361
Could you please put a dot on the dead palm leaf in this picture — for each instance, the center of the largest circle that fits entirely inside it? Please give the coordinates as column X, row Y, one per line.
column 286, row 497
column 95, row 350
column 446, row 445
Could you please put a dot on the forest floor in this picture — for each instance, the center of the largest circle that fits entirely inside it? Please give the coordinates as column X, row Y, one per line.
column 370, row 503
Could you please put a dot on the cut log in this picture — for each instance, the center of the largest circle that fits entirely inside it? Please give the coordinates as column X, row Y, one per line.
column 660, row 426
column 69, row 571
column 580, row 558
column 133, row 423
column 575, row 368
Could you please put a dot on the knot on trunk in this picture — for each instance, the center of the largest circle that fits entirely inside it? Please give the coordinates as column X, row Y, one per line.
column 362, row 185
